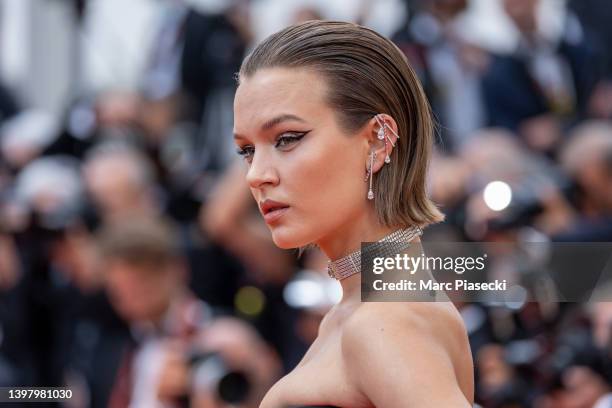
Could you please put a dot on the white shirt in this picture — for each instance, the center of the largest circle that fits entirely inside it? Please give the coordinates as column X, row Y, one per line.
column 604, row 402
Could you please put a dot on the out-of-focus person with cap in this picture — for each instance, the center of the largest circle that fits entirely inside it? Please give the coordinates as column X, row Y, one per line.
column 179, row 350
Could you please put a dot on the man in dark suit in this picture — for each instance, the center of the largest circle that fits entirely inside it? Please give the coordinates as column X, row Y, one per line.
column 172, row 333
column 543, row 78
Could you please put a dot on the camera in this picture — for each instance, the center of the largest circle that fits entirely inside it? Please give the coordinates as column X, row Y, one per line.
column 210, row 371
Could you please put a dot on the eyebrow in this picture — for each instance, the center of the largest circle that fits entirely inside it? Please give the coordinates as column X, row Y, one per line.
column 276, row 121
column 280, row 119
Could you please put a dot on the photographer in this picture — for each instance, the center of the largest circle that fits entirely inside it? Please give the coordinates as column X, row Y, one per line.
column 178, row 354
column 587, row 160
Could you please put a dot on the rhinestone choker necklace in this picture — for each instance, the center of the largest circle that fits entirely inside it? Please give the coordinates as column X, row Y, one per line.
column 351, row 264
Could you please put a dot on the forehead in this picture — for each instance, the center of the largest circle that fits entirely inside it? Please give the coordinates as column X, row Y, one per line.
column 129, row 269
column 272, row 92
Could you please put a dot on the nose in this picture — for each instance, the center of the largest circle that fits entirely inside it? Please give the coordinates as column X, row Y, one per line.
column 261, row 171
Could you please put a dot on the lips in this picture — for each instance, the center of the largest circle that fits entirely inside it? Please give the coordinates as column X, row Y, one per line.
column 272, row 210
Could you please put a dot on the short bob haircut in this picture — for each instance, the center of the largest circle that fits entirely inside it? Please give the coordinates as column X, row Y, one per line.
column 366, row 74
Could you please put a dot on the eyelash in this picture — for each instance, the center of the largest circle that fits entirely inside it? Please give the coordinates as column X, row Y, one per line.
column 247, row 151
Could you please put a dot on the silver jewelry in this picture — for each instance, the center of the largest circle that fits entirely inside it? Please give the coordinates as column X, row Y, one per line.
column 351, row 264
column 370, row 173
column 382, row 135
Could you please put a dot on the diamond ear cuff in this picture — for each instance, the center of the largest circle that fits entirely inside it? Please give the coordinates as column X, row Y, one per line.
column 381, row 135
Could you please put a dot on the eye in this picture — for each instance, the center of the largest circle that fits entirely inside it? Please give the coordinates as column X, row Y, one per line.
column 288, row 138
column 283, row 141
column 246, row 152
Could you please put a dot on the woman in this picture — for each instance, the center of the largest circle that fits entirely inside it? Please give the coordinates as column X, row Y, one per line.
column 337, row 134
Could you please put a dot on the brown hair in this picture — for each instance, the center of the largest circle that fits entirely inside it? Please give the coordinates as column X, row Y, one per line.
column 143, row 242
column 366, row 74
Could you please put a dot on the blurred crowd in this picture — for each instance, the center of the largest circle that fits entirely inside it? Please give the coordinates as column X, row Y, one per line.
column 135, row 267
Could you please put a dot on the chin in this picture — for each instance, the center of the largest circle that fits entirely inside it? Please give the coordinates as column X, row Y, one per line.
column 285, row 239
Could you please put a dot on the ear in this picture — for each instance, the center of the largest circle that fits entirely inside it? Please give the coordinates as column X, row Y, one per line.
column 382, row 138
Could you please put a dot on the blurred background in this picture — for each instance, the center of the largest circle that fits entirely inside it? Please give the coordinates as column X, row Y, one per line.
column 134, row 265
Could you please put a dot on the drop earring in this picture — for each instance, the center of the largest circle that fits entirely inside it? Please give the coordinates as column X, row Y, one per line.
column 371, row 174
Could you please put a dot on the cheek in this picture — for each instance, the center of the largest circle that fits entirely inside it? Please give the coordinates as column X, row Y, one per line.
column 325, row 184
column 129, row 296
column 123, row 298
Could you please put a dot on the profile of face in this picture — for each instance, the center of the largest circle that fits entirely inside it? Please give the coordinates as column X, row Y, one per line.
column 305, row 171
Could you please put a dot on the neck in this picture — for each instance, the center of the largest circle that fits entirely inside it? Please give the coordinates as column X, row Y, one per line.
column 351, row 289
column 348, row 237
column 346, row 240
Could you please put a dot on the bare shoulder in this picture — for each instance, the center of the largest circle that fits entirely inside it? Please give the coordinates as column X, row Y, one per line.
column 436, row 321
column 418, row 347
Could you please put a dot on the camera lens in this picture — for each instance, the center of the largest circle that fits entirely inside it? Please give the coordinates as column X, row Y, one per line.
column 211, row 371
column 233, row 387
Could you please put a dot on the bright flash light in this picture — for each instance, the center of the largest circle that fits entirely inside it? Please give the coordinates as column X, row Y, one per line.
column 497, row 195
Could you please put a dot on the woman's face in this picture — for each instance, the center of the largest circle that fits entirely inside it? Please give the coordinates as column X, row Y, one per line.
column 304, row 171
